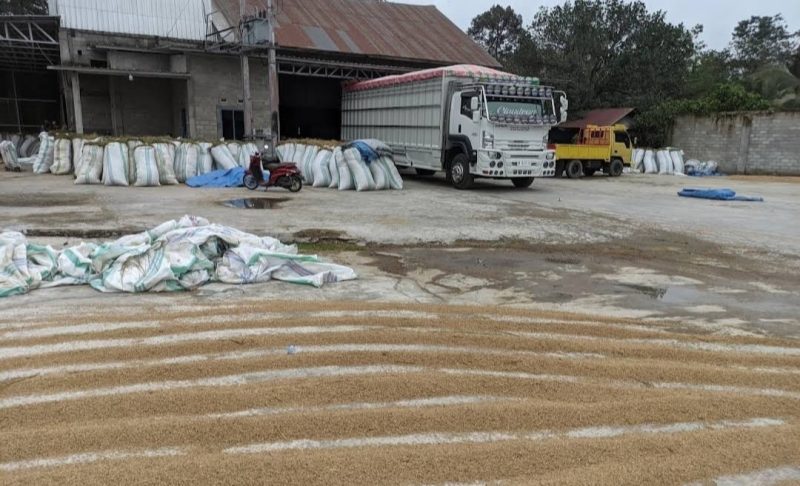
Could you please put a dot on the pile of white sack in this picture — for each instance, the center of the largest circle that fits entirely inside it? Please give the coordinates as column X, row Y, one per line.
column 667, row 161
column 127, row 163
column 177, row 255
column 365, row 165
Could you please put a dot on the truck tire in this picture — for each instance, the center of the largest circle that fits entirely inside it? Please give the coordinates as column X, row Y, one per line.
column 459, row 172
column 574, row 169
column 616, row 168
column 522, row 182
column 559, row 169
column 424, row 172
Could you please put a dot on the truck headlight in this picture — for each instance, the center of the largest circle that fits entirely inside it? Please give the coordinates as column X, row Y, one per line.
column 551, row 156
column 495, row 155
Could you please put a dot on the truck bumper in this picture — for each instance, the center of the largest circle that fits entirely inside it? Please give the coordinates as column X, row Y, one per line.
column 515, row 164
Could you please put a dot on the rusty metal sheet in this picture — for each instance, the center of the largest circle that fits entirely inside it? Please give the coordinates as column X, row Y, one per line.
column 369, row 27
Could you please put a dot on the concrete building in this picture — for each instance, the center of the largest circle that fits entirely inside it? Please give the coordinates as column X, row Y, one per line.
column 173, row 67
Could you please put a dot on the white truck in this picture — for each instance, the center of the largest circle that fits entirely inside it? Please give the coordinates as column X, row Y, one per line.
column 467, row 121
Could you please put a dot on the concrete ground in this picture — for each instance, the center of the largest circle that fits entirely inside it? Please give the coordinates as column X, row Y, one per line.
column 626, row 247
column 600, row 331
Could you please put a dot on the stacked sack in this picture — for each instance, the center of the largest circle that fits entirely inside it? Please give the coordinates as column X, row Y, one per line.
column 668, row 161
column 41, row 153
column 363, row 165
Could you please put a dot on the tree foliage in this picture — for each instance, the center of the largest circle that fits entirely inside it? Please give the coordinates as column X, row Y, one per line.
column 23, row 7
column 610, row 52
column 763, row 40
column 500, row 30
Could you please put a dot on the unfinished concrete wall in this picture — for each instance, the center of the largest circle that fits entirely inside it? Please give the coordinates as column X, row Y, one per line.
column 216, row 83
column 743, row 143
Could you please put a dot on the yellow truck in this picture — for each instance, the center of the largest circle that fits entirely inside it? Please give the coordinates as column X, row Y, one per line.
column 591, row 149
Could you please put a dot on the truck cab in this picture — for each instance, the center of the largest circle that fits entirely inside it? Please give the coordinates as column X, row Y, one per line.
column 501, row 130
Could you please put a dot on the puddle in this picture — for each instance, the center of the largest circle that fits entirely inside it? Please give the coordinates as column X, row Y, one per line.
column 255, row 203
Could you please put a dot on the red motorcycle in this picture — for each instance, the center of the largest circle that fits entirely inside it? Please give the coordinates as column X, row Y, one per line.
column 280, row 175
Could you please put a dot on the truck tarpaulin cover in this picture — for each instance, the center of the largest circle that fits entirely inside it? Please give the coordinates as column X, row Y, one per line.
column 460, row 70
column 177, row 255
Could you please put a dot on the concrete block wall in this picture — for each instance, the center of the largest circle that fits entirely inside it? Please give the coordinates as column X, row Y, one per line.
column 216, row 83
column 743, row 143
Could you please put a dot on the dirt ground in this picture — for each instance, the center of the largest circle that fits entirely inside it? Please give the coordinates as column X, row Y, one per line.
column 594, row 331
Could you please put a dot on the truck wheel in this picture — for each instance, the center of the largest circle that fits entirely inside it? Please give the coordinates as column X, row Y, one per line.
column 424, row 172
column 616, row 168
column 574, row 169
column 459, row 172
column 522, row 182
column 559, row 169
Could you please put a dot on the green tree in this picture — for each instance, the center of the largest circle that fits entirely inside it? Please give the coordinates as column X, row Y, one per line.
column 500, row 30
column 23, row 7
column 709, row 69
column 763, row 40
column 611, row 52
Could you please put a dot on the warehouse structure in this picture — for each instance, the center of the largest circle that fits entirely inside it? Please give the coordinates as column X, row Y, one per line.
column 174, row 67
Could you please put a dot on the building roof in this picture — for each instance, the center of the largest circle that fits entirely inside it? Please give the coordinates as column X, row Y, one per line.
column 602, row 118
column 370, row 28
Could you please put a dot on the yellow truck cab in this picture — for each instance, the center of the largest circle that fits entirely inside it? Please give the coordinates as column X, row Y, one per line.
column 594, row 148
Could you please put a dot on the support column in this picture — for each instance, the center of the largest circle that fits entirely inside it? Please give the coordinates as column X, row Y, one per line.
column 248, row 102
column 76, row 103
column 272, row 79
column 116, row 115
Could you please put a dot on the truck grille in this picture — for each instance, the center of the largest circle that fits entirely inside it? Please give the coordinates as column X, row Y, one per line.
column 517, row 145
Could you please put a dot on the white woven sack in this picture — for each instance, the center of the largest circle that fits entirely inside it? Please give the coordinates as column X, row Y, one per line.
column 115, row 164
column 91, row 165
column 132, row 144
column 378, row 172
column 362, row 177
column 345, row 177
column 247, row 151
column 650, row 166
column 62, row 157
column 333, row 169
column 395, row 180
column 8, row 152
column 223, row 157
column 165, row 157
column 308, row 164
column 187, row 157
column 206, row 163
column 146, row 166
column 43, row 160
column 322, row 173
column 677, row 161
column 77, row 151
column 235, row 148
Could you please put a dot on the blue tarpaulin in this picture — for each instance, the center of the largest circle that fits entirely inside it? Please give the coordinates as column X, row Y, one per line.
column 718, row 195
column 367, row 153
column 219, row 178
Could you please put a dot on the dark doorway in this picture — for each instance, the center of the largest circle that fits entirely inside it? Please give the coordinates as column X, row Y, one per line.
column 232, row 124
column 310, row 107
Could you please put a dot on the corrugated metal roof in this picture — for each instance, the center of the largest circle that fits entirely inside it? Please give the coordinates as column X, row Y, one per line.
column 176, row 19
column 602, row 118
column 369, row 27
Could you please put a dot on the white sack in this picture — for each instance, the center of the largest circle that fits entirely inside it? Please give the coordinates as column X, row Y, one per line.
column 77, row 151
column 8, row 152
column 379, row 175
column 650, row 165
column 146, row 166
column 223, row 157
column 299, row 155
column 333, row 169
column 638, row 160
column 132, row 145
column 25, row 149
column 91, row 165
column 115, row 164
column 677, row 161
column 44, row 158
column 345, row 177
column 206, row 164
column 62, row 157
column 247, row 150
column 165, row 157
column 308, row 164
column 395, row 181
column 321, row 168
column 235, row 149
column 358, row 168
column 187, row 159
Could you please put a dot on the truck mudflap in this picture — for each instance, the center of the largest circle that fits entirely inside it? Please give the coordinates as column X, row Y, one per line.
column 503, row 164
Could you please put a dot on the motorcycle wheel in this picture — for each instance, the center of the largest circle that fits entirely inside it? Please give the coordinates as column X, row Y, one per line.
column 250, row 182
column 296, row 184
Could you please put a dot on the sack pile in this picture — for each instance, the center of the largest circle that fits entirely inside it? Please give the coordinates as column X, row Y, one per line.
column 176, row 255
column 668, row 161
column 363, row 165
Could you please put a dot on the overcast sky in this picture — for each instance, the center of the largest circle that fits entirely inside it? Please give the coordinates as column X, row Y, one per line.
column 718, row 17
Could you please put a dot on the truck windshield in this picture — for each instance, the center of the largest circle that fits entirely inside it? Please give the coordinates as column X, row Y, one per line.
column 524, row 108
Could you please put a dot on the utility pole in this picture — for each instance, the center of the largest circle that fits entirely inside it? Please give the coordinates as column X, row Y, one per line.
column 272, row 81
column 245, row 62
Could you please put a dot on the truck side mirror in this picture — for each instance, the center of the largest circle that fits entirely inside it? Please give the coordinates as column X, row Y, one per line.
column 476, row 116
column 474, row 104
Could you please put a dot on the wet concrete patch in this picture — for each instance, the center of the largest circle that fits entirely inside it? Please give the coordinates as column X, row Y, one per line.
column 255, row 203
